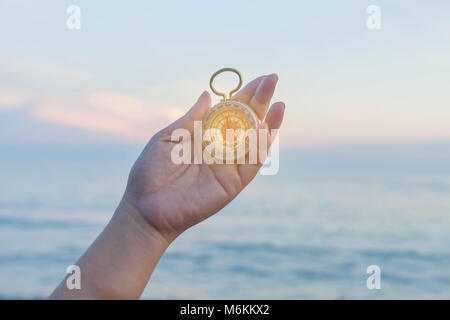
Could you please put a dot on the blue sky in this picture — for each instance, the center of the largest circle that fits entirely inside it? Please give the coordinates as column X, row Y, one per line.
column 134, row 67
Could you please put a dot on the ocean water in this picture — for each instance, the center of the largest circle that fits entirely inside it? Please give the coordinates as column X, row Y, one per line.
column 309, row 232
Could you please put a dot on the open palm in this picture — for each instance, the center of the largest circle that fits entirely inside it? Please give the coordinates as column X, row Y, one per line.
column 172, row 198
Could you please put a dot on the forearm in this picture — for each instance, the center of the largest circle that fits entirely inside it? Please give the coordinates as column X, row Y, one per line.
column 121, row 260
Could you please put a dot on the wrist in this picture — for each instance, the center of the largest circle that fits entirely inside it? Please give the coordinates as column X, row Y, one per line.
column 120, row 261
column 138, row 225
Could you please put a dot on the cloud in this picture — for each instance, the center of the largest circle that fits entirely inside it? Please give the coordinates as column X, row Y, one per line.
column 41, row 70
column 442, row 27
column 121, row 116
column 48, row 98
column 353, row 126
column 13, row 98
column 58, row 103
column 124, row 116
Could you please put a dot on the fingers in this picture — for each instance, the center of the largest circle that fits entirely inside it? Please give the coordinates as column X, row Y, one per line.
column 248, row 171
column 196, row 113
column 263, row 94
column 275, row 115
column 246, row 93
column 199, row 109
column 258, row 93
column 273, row 121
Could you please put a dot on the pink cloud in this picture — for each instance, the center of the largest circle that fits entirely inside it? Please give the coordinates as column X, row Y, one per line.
column 124, row 116
column 13, row 98
column 351, row 126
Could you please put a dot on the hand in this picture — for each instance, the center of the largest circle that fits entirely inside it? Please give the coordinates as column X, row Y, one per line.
column 172, row 198
column 161, row 201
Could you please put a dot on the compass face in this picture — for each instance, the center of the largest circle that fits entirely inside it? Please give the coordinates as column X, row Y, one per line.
column 229, row 115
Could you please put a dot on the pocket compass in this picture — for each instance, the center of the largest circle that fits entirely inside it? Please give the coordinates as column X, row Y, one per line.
column 233, row 115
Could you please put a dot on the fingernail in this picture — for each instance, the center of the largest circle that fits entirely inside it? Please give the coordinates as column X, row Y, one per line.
column 274, row 75
column 204, row 94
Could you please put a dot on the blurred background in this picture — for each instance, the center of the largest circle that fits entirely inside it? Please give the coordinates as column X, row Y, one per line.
column 365, row 147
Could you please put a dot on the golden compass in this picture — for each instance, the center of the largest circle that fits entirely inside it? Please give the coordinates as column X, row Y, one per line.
column 227, row 124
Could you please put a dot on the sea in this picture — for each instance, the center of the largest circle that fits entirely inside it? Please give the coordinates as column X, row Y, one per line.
column 311, row 231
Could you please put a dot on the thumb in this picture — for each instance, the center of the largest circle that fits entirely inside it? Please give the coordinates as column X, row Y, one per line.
column 195, row 113
column 199, row 109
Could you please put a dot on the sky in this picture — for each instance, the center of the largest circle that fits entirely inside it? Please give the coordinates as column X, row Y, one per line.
column 134, row 67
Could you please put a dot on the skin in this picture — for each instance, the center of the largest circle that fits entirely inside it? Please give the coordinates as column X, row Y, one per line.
column 162, row 200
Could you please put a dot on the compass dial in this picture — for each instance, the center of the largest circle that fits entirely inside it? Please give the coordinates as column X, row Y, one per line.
column 228, row 115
